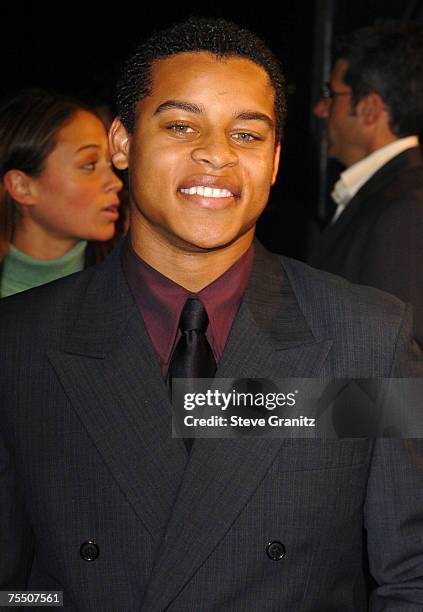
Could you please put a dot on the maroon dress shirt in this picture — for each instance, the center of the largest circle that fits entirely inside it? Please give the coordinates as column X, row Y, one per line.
column 160, row 301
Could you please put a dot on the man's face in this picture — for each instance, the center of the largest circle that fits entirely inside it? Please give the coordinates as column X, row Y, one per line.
column 345, row 141
column 203, row 156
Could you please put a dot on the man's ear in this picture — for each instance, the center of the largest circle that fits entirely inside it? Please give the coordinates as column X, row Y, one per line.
column 119, row 142
column 371, row 108
column 276, row 162
column 21, row 187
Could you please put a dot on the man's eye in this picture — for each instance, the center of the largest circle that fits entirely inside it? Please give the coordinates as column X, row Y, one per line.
column 244, row 137
column 181, row 128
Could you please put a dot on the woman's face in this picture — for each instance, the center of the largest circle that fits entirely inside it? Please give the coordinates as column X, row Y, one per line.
column 76, row 195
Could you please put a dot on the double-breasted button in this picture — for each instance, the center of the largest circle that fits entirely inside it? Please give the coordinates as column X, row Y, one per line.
column 89, row 551
column 275, row 550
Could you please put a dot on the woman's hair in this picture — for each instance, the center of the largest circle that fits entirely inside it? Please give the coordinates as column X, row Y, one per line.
column 29, row 126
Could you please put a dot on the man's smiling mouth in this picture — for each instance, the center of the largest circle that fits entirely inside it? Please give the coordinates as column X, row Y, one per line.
column 207, row 192
column 203, row 187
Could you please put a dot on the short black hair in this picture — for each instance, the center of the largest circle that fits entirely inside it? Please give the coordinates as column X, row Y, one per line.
column 387, row 59
column 216, row 36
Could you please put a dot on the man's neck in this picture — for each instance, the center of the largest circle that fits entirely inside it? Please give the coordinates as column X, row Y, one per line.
column 186, row 265
column 379, row 139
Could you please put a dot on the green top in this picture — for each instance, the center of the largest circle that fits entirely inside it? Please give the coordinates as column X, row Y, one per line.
column 21, row 271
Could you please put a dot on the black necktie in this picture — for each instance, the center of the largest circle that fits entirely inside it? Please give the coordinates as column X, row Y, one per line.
column 193, row 356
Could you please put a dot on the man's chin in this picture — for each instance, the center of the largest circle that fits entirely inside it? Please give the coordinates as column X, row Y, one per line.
column 210, row 242
column 331, row 150
column 206, row 246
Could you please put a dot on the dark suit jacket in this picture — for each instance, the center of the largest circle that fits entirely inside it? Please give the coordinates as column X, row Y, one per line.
column 378, row 239
column 86, row 454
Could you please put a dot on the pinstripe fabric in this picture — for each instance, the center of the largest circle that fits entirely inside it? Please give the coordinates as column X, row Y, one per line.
column 86, row 454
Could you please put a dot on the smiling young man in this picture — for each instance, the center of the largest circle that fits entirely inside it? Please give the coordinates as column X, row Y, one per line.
column 97, row 499
column 202, row 158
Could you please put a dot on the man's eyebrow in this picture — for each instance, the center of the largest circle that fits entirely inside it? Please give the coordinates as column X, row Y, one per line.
column 189, row 107
column 186, row 106
column 255, row 116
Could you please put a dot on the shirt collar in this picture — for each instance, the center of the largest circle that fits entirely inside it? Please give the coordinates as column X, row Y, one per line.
column 354, row 177
column 160, row 301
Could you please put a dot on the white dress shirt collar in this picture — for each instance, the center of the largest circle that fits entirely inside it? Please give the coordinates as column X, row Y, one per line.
column 359, row 173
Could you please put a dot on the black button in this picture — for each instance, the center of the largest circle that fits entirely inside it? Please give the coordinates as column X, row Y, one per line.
column 275, row 551
column 89, row 551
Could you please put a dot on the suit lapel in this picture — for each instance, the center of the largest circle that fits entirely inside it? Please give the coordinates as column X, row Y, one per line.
column 270, row 338
column 112, row 378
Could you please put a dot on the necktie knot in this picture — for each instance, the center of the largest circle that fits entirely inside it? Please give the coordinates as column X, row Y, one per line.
column 194, row 316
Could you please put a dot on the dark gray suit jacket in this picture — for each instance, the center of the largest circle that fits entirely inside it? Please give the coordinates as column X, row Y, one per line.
column 86, row 454
column 378, row 239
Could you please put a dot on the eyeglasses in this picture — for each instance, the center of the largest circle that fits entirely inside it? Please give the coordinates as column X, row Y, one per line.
column 328, row 93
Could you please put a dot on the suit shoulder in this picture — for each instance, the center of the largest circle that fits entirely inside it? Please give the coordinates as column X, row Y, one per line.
column 332, row 296
column 46, row 309
column 50, row 295
column 401, row 208
column 63, row 294
column 403, row 191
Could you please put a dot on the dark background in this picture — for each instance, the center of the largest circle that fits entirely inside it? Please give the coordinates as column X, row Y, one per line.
column 78, row 50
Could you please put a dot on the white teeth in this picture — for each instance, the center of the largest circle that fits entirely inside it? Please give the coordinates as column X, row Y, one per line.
column 207, row 192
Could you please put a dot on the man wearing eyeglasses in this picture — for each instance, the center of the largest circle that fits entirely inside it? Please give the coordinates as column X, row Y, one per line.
column 373, row 109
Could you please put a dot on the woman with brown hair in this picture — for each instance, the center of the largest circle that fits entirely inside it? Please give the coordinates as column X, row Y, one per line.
column 59, row 197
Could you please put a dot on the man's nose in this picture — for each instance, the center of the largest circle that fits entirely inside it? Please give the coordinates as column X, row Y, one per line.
column 321, row 109
column 215, row 151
